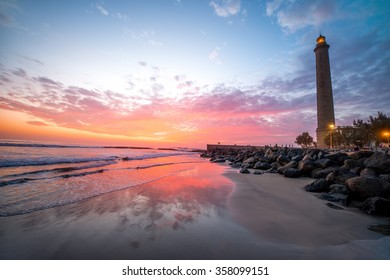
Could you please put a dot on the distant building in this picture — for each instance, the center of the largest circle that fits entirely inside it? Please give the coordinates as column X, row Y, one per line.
column 325, row 108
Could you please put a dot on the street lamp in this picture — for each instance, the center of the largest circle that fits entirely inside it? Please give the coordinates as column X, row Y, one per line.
column 387, row 134
column 331, row 135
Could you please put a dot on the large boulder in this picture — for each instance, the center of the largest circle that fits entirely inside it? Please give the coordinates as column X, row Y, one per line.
column 262, row 165
column 283, row 160
column 338, row 188
column 379, row 161
column 349, row 164
column 244, row 170
column 368, row 172
column 363, row 187
column 320, row 185
column 340, row 176
column 250, row 160
column 361, row 154
column 291, row 164
column 324, row 163
column 376, row 206
column 335, row 197
column 292, row 173
column 306, row 166
column 322, row 173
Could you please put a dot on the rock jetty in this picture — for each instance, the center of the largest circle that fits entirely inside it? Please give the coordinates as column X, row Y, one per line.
column 359, row 179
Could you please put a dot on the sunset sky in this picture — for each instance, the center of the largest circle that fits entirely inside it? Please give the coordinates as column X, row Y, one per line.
column 166, row 73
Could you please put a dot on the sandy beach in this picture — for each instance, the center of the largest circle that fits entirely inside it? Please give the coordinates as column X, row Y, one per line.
column 207, row 211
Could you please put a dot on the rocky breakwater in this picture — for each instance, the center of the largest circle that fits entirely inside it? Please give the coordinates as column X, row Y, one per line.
column 360, row 179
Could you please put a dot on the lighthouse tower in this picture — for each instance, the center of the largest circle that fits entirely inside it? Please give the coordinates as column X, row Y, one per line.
column 325, row 108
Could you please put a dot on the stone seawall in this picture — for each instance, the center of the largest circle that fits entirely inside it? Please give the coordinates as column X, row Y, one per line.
column 214, row 147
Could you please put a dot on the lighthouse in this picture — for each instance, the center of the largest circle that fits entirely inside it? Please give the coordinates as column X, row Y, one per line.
column 325, row 108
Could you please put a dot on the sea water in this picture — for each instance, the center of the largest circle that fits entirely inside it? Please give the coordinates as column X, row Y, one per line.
column 36, row 176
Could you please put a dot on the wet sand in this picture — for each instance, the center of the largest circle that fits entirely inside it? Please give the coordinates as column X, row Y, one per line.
column 206, row 212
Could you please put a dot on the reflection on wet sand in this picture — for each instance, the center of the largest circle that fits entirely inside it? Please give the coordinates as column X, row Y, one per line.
column 137, row 222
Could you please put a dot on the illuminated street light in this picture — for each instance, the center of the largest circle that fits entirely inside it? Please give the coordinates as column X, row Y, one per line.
column 331, row 135
column 387, row 134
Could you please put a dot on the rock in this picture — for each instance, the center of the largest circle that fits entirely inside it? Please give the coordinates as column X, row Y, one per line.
column 341, row 176
column 361, row 154
column 330, row 177
column 217, row 160
column 262, row 165
column 384, row 229
column 237, row 164
column 368, row 172
column 283, row 160
column 349, row 164
column 322, row 173
column 249, row 160
column 333, row 206
column 257, row 172
column 364, row 187
column 324, row 163
column 291, row 164
column 385, row 177
column 292, row 173
column 336, row 156
column 244, row 170
column 379, row 161
column 338, row 188
column 306, row 166
column 376, row 206
column 307, row 157
column 297, row 158
column 320, row 185
column 335, row 197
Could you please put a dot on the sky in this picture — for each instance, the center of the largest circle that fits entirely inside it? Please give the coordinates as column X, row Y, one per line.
column 170, row 73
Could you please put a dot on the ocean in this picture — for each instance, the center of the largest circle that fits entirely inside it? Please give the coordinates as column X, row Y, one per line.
column 36, row 176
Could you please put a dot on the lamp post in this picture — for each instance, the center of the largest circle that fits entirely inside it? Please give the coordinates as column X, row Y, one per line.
column 331, row 135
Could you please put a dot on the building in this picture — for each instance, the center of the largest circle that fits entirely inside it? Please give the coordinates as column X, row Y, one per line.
column 325, row 108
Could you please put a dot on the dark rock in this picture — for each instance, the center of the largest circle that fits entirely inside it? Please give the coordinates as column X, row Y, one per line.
column 379, row 161
column 338, row 188
column 341, row 176
column 376, row 206
column 306, row 166
column 361, row 154
column 364, row 187
column 262, row 165
column 307, row 157
column 320, row 185
column 384, row 229
column 336, row 156
column 266, row 159
column 324, row 163
column 297, row 158
column 333, row 206
column 244, row 170
column 249, row 160
column 385, row 177
column 291, row 164
column 292, row 173
column 257, row 172
column 368, row 172
column 335, row 197
column 349, row 164
column 216, row 160
column 322, row 173
column 283, row 160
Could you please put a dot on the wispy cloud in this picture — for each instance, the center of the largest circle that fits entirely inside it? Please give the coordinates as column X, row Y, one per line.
column 294, row 15
column 226, row 8
column 102, row 10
